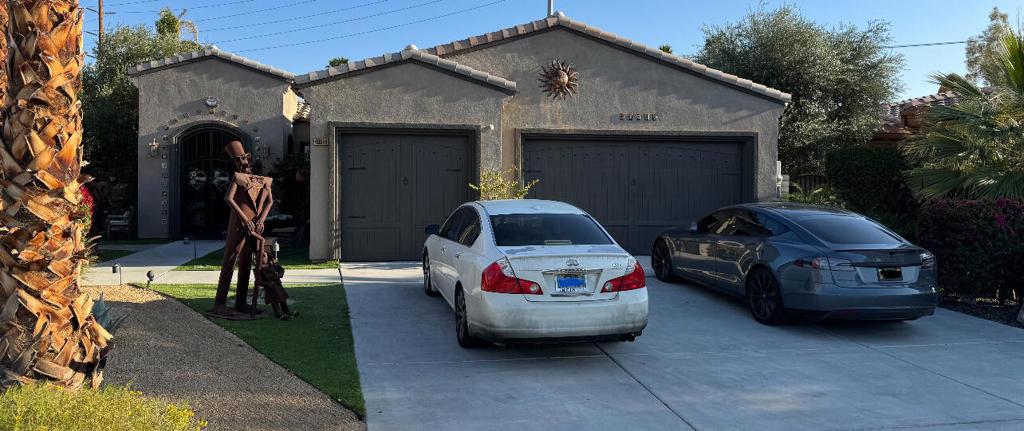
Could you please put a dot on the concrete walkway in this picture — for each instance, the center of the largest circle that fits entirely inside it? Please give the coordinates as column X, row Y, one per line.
column 160, row 259
column 702, row 363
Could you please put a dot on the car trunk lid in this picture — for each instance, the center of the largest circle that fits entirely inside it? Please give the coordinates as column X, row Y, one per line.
column 570, row 273
column 876, row 265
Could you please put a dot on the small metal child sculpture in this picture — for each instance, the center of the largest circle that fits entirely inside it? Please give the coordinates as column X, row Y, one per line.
column 249, row 211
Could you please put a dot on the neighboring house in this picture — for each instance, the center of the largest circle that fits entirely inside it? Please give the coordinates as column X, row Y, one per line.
column 646, row 140
column 906, row 117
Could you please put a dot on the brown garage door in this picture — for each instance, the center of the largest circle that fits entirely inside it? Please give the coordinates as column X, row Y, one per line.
column 395, row 184
column 635, row 188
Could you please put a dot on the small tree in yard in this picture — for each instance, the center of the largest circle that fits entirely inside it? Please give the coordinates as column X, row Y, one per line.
column 496, row 185
column 838, row 78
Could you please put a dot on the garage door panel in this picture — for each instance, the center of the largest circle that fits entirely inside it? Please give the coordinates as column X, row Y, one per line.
column 636, row 188
column 397, row 185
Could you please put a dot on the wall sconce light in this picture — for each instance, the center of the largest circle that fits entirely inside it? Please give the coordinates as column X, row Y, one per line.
column 154, row 149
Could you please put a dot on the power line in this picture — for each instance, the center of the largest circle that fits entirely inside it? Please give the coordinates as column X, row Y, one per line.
column 330, row 24
column 278, row 21
column 915, row 45
column 256, row 11
column 187, row 8
column 405, row 24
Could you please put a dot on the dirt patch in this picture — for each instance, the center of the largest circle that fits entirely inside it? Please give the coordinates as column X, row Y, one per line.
column 168, row 351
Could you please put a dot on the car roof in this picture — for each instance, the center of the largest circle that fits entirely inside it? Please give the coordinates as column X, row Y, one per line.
column 528, row 206
column 797, row 210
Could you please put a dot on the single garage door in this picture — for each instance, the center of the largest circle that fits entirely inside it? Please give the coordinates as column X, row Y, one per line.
column 395, row 184
column 635, row 188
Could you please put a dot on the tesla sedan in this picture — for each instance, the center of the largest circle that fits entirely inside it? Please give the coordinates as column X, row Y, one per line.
column 787, row 258
column 533, row 270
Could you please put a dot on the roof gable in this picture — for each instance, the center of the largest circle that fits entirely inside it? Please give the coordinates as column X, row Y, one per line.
column 195, row 56
column 411, row 54
column 561, row 21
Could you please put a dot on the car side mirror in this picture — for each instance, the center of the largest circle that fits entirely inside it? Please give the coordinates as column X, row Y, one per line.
column 432, row 229
column 693, row 227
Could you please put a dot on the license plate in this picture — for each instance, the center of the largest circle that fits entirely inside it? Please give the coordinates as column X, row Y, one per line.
column 890, row 274
column 570, row 284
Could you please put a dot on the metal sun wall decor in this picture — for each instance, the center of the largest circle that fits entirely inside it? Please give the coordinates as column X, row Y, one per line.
column 559, row 80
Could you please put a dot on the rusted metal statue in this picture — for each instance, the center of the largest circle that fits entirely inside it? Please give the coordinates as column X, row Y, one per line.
column 250, row 200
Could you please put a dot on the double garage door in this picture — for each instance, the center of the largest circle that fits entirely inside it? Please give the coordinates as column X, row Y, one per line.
column 394, row 184
column 636, row 188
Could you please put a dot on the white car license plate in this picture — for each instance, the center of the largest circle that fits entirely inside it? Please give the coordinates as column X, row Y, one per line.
column 571, row 284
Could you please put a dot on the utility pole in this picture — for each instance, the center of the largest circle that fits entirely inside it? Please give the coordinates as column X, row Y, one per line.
column 551, row 7
column 99, row 37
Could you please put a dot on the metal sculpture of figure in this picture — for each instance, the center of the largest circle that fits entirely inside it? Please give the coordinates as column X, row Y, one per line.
column 249, row 198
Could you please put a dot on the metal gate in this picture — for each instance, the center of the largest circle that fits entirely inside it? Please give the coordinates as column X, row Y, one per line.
column 205, row 174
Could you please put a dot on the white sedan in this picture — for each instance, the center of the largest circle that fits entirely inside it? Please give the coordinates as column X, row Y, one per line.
column 533, row 270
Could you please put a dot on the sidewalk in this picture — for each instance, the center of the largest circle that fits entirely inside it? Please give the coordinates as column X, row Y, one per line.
column 160, row 259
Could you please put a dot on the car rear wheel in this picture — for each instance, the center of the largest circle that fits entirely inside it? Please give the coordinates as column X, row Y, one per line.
column 661, row 260
column 466, row 340
column 428, row 286
column 764, row 297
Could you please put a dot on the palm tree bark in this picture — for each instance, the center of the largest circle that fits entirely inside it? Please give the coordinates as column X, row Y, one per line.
column 47, row 331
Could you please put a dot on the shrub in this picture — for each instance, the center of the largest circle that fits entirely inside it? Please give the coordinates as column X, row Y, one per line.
column 870, row 177
column 978, row 245
column 823, row 195
column 47, row 407
column 495, row 185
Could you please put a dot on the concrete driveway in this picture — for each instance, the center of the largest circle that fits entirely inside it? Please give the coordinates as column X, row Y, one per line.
column 703, row 363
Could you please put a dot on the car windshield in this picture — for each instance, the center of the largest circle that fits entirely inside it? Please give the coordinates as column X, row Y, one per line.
column 848, row 230
column 512, row 230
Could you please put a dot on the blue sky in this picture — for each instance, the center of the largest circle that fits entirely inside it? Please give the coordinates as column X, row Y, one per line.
column 362, row 28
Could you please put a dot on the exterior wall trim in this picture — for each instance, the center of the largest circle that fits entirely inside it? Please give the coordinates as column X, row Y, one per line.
column 749, row 141
column 338, row 128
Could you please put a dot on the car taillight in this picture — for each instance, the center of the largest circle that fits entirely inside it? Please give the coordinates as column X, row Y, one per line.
column 498, row 277
column 831, row 263
column 634, row 280
column 927, row 260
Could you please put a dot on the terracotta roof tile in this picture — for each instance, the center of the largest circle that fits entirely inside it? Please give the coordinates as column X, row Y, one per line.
column 176, row 60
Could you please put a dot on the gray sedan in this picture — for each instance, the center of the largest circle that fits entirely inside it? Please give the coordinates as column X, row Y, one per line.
column 786, row 258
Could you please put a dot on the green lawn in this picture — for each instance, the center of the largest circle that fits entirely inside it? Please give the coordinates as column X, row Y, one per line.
column 316, row 345
column 290, row 259
column 107, row 255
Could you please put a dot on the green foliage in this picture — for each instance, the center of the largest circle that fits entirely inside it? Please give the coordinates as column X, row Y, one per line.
column 982, row 50
column 666, row 48
column 838, row 78
column 979, row 245
column 975, row 148
column 497, row 185
column 110, row 102
column 45, row 407
column 317, row 346
column 337, row 61
column 823, row 195
column 867, row 177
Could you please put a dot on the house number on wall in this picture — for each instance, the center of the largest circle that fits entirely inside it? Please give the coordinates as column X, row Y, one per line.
column 638, row 116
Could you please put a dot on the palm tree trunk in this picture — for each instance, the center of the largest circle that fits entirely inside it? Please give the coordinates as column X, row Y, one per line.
column 47, row 329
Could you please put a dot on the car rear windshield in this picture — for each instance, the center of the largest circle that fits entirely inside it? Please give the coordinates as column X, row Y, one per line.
column 512, row 230
column 848, row 230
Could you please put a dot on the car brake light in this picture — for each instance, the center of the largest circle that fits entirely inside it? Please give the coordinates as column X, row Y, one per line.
column 927, row 260
column 498, row 277
column 831, row 263
column 634, row 280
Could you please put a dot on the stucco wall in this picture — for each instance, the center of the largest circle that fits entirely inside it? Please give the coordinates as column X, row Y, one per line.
column 408, row 94
column 614, row 80
column 171, row 101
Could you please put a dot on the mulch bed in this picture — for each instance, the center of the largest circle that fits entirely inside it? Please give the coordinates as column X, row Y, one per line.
column 984, row 308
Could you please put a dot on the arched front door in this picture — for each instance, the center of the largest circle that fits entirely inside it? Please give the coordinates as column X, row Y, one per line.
column 204, row 177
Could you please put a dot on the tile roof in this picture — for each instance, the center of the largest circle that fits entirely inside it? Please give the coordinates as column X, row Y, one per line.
column 409, row 54
column 560, row 20
column 155, row 65
column 303, row 111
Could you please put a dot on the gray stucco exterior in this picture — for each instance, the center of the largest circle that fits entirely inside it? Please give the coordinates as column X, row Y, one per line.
column 255, row 105
column 486, row 86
